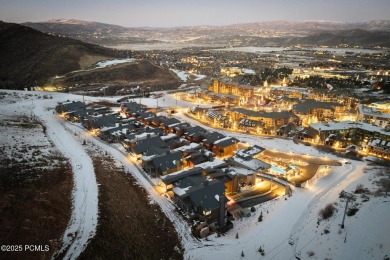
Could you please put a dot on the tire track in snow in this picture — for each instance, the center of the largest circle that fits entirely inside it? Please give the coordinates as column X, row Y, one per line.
column 83, row 221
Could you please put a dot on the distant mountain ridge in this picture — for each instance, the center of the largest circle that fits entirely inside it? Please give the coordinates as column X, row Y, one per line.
column 272, row 32
column 274, row 25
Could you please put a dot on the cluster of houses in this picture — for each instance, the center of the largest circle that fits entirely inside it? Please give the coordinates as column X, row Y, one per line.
column 196, row 167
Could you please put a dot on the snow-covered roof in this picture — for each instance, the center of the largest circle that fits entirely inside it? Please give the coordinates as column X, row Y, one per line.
column 372, row 111
column 179, row 191
column 168, row 136
column 240, row 171
column 251, row 163
column 345, row 125
column 189, row 147
column 214, row 164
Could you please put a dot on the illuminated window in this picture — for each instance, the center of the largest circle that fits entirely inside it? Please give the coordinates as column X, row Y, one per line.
column 206, row 213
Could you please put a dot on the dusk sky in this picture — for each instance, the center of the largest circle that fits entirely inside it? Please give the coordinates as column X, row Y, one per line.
column 169, row 13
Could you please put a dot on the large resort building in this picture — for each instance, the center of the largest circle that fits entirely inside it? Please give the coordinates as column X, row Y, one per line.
column 377, row 114
column 232, row 93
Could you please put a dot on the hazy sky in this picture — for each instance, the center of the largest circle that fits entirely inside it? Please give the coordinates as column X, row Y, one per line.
column 168, row 13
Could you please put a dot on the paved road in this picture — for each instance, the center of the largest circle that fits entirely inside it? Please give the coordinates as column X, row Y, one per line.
column 256, row 191
column 303, row 158
column 255, row 201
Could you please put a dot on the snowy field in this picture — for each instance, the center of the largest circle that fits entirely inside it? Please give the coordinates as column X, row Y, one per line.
column 366, row 234
column 166, row 101
column 107, row 63
column 184, row 76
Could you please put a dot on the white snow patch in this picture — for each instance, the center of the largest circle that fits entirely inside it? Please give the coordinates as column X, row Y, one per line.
column 107, row 63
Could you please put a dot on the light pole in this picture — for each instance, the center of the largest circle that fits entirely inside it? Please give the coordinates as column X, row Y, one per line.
column 349, row 197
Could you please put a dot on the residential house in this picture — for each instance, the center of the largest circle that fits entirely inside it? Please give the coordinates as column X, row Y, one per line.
column 178, row 128
column 70, row 106
column 163, row 164
column 210, row 138
column 130, row 108
column 194, row 134
column 116, row 133
column 225, row 147
column 95, row 123
column 197, row 196
column 245, row 159
column 166, row 122
column 149, row 145
column 198, row 157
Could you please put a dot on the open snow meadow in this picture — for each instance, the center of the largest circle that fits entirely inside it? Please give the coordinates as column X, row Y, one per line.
column 291, row 227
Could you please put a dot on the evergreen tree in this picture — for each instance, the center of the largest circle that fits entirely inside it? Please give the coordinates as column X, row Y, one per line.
column 260, row 217
column 242, row 253
column 261, row 251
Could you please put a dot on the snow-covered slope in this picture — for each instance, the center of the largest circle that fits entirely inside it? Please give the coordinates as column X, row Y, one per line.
column 82, row 225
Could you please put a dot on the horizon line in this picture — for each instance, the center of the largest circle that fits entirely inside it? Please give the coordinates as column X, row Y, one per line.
column 199, row 25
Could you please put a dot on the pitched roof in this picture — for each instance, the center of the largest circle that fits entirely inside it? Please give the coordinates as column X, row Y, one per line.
column 73, row 106
column 150, row 146
column 212, row 137
column 250, row 163
column 169, row 121
column 173, row 177
column 168, row 161
column 225, row 142
column 198, row 159
column 207, row 194
column 181, row 126
column 131, row 106
column 308, row 104
column 250, row 151
column 143, row 114
column 108, row 120
column 118, row 128
column 195, row 131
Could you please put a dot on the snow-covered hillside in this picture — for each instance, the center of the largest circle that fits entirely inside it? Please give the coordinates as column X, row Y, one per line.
column 82, row 225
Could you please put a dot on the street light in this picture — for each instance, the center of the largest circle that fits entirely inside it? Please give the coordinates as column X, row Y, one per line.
column 348, row 196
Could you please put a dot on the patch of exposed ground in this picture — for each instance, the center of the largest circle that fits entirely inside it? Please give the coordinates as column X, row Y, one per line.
column 130, row 226
column 35, row 187
column 87, row 61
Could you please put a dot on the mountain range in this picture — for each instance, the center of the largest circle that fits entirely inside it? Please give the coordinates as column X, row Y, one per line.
column 272, row 33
